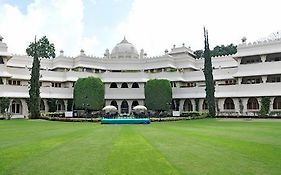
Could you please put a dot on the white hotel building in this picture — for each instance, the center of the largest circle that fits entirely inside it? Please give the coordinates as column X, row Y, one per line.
column 240, row 80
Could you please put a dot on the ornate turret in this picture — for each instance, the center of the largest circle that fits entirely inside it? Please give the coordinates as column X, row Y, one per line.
column 4, row 55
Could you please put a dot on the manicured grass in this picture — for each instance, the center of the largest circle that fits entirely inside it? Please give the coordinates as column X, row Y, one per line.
column 185, row 147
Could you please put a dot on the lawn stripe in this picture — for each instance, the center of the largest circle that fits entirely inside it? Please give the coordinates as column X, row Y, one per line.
column 132, row 154
column 34, row 141
column 199, row 145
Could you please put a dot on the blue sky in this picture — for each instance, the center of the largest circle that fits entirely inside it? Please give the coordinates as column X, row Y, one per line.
column 154, row 25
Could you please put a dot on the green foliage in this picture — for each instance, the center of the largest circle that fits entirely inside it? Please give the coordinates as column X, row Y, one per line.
column 199, row 53
column 184, row 147
column 224, row 50
column 265, row 103
column 209, row 80
column 69, row 104
column 197, row 104
column 89, row 93
column 218, row 51
column 52, row 103
column 158, row 95
column 4, row 104
column 43, row 49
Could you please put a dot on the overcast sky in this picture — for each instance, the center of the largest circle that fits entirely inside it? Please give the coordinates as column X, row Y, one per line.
column 154, row 25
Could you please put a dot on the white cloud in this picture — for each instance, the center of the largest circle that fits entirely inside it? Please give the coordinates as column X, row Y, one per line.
column 60, row 20
column 158, row 24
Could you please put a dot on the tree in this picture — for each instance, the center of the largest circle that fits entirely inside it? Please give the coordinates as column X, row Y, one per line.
column 209, row 80
column 89, row 94
column 37, row 49
column 218, row 51
column 199, row 53
column 224, row 50
column 158, row 95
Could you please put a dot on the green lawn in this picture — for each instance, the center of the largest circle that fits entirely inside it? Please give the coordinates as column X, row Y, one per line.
column 185, row 147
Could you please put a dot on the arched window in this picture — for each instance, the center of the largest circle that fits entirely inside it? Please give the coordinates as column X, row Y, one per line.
column 114, row 103
column 187, row 106
column 277, row 103
column 253, row 103
column 205, row 105
column 135, row 103
column 60, row 105
column 124, row 85
column 135, row 85
column 42, row 105
column 16, row 107
column 113, row 85
column 228, row 104
column 124, row 107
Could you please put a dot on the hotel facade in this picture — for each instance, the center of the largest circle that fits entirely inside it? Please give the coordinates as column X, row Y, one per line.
column 241, row 80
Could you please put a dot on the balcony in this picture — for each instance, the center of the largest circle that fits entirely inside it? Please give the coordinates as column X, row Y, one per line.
column 45, row 92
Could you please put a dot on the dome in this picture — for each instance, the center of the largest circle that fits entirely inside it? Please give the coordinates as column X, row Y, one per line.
column 124, row 49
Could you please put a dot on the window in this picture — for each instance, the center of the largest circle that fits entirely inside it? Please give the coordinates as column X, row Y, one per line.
column 14, row 82
column 1, row 60
column 60, row 105
column 135, row 103
column 277, row 103
column 135, row 85
column 253, row 103
column 228, row 104
column 113, row 85
column 273, row 78
column 124, row 107
column 187, row 106
column 16, row 107
column 56, row 85
column 251, row 59
column 124, row 85
column 205, row 106
column 251, row 80
column 114, row 103
column 173, row 84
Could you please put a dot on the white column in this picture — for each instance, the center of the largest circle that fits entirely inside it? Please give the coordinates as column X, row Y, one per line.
column 65, row 105
column 240, row 80
column 264, row 78
column 193, row 104
column 221, row 104
column 271, row 104
column 46, row 105
column 181, row 105
column 119, row 105
column 24, row 108
column 263, row 58
column 245, row 102
column 236, row 104
column 129, row 105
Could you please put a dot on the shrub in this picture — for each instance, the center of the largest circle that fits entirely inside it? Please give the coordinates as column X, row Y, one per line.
column 89, row 94
column 158, row 95
column 265, row 102
column 4, row 104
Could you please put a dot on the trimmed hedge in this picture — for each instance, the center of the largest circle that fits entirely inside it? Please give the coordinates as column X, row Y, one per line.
column 158, row 95
column 89, row 94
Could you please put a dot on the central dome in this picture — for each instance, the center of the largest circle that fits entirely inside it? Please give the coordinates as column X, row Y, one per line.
column 124, row 49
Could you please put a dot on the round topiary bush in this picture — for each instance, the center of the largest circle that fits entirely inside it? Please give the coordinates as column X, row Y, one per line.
column 89, row 94
column 158, row 95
